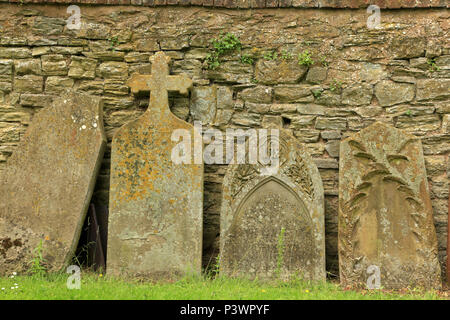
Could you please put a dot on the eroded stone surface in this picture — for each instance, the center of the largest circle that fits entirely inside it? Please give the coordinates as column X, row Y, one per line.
column 273, row 225
column 48, row 183
column 155, row 219
column 385, row 213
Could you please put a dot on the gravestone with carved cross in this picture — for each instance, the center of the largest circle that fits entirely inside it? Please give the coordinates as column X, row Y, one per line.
column 155, row 221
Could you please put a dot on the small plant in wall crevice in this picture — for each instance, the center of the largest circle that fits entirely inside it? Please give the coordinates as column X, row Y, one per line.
column 433, row 66
column 305, row 59
column 225, row 44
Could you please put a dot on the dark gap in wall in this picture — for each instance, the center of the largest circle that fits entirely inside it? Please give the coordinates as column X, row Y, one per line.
column 286, row 122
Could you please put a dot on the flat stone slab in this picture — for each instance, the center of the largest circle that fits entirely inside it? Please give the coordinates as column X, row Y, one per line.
column 385, row 213
column 273, row 225
column 47, row 185
column 156, row 205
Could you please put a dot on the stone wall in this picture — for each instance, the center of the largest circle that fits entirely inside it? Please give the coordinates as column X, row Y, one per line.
column 398, row 74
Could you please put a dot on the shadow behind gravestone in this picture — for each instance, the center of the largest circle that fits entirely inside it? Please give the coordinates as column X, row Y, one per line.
column 91, row 249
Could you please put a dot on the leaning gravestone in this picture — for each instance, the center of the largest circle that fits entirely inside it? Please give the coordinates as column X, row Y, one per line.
column 47, row 185
column 385, row 213
column 156, row 205
column 272, row 225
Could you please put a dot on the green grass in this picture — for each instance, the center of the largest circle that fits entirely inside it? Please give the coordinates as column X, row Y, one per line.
column 95, row 286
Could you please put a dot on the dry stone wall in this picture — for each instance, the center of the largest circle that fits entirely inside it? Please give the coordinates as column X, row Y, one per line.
column 397, row 74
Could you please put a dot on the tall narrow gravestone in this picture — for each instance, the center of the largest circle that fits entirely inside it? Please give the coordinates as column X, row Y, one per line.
column 47, row 185
column 273, row 225
column 155, row 220
column 385, row 215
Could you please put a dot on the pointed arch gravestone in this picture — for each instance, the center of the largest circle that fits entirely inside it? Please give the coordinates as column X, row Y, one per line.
column 385, row 213
column 47, row 186
column 273, row 225
column 156, row 205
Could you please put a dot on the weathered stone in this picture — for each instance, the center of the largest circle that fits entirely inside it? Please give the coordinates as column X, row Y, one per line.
column 92, row 87
column 224, row 98
column 409, row 110
column 428, row 89
column 272, row 122
column 326, row 163
column 405, row 48
column 27, row 66
column 332, row 147
column 331, row 124
column 6, row 67
column 257, row 107
column 385, row 213
column 13, row 41
column 307, row 135
column 203, row 104
column 48, row 26
column 54, row 65
column 190, row 67
column 147, row 44
column 423, row 123
column 231, row 72
column 6, row 76
column 327, row 97
column 197, row 53
column 443, row 62
column 371, row 72
column 113, row 69
column 82, row 68
column 436, row 144
column 316, row 74
column 116, row 118
column 29, row 84
column 299, row 121
column 223, row 117
column 257, row 94
column 446, row 123
column 39, row 51
column 310, row 109
column 36, row 100
column 133, row 57
column 363, row 53
column 142, row 68
column 293, row 93
column 94, row 31
column 49, row 182
column 368, row 111
column 267, row 212
column 283, row 108
column 155, row 219
column 246, row 119
column 15, row 53
column 66, row 50
column 14, row 114
column 389, row 93
column 9, row 132
column 420, row 63
column 107, row 55
column 404, row 79
column 55, row 84
column 273, row 72
column 331, row 135
column 116, row 87
column 41, row 42
column 357, row 95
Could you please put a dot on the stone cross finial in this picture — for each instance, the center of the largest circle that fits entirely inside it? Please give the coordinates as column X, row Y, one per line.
column 159, row 82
